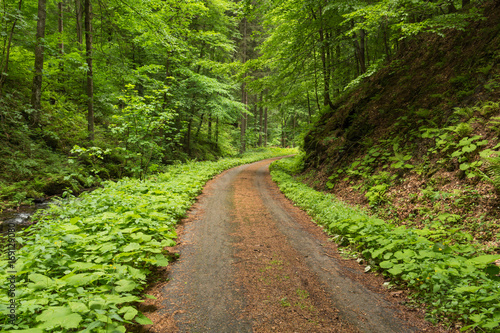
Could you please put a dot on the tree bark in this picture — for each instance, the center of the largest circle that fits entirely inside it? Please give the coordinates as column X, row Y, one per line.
column 265, row 127
column 90, row 72
column 261, row 111
column 36, row 91
column 60, row 26
column 4, row 66
column 361, row 54
column 217, row 131
column 79, row 24
column 244, row 98
column 243, row 127
column 210, row 128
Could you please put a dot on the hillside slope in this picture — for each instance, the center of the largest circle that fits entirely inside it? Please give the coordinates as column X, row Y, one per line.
column 416, row 142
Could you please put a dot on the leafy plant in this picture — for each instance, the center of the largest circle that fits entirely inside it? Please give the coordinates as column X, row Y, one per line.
column 451, row 278
column 83, row 265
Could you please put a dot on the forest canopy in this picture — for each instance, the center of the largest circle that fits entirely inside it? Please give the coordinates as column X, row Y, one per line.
column 123, row 87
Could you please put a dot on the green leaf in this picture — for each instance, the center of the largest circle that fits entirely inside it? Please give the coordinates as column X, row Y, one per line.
column 78, row 279
column 59, row 316
column 78, row 307
column 486, row 259
column 143, row 320
column 491, row 324
column 161, row 260
column 464, row 166
column 396, row 270
column 131, row 247
column 125, row 285
column 469, row 148
column 492, row 270
column 128, row 312
column 386, row 264
column 467, row 289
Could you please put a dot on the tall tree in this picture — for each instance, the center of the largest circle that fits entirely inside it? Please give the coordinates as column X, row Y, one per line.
column 90, row 70
column 244, row 97
column 4, row 64
column 36, row 91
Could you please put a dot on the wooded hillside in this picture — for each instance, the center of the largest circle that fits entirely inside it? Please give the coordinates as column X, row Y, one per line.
column 417, row 142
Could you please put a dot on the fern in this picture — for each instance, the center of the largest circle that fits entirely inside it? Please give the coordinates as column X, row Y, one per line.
column 493, row 171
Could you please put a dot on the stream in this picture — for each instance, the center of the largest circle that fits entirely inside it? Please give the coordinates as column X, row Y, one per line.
column 22, row 217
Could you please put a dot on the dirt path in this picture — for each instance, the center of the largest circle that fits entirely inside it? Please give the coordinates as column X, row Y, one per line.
column 252, row 262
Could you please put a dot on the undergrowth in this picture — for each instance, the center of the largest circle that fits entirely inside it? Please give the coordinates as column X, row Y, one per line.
column 452, row 278
column 83, row 265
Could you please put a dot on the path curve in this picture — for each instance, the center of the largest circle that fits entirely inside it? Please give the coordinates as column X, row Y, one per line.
column 252, row 262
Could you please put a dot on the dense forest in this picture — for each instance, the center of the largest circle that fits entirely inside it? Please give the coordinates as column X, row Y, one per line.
column 394, row 105
column 93, row 90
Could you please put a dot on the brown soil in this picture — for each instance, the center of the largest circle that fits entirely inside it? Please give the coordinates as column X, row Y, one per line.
column 252, row 262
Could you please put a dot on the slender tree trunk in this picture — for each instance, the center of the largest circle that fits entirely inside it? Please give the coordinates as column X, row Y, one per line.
column 316, row 83
column 217, row 131
column 261, row 111
column 244, row 98
column 326, row 73
column 265, row 127
column 4, row 66
column 361, row 54
column 90, row 72
column 188, row 137
column 36, row 91
column 283, row 127
column 60, row 26
column 210, row 128
column 309, row 111
column 386, row 42
column 199, row 125
column 79, row 23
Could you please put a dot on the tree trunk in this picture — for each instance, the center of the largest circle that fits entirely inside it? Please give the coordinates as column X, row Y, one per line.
column 36, row 91
column 60, row 29
column 316, row 83
column 188, row 137
column 265, row 127
column 210, row 128
column 217, row 131
column 361, row 54
column 90, row 73
column 60, row 26
column 309, row 111
column 199, row 125
column 79, row 24
column 261, row 111
column 4, row 66
column 465, row 3
column 326, row 73
column 386, row 42
column 243, row 128
column 244, row 98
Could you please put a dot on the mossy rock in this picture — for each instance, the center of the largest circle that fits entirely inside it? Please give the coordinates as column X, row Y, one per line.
column 57, row 185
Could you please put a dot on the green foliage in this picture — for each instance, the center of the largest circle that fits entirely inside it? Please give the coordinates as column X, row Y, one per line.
column 493, row 171
column 454, row 280
column 139, row 126
column 85, row 262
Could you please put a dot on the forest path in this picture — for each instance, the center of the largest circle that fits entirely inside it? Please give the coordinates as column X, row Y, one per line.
column 252, row 262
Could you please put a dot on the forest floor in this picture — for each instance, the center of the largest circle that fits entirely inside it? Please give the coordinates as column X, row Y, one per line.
column 250, row 261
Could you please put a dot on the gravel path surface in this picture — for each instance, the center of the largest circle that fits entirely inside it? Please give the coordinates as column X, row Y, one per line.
column 252, row 262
